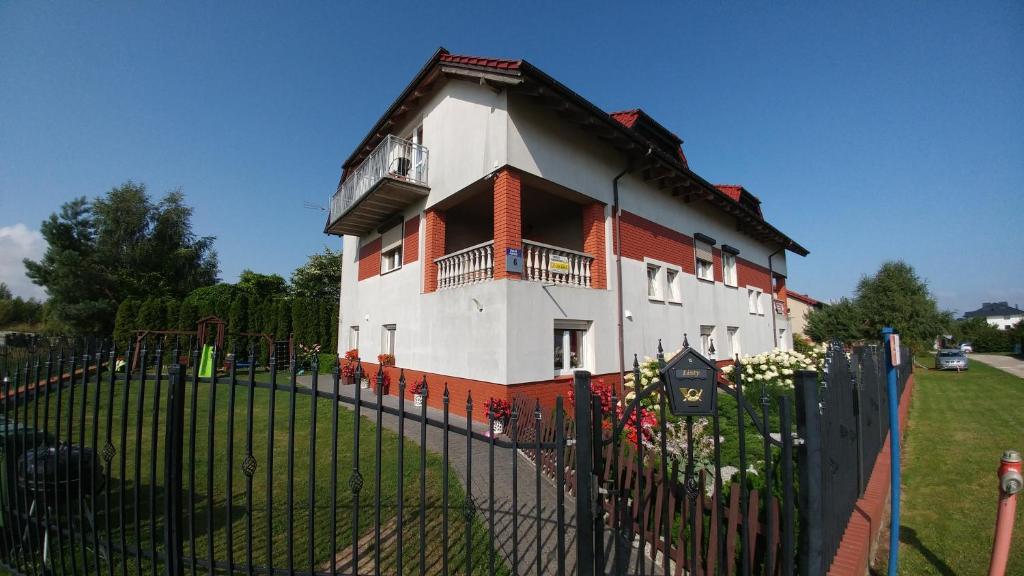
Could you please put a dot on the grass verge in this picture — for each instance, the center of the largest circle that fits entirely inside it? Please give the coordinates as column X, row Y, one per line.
column 959, row 425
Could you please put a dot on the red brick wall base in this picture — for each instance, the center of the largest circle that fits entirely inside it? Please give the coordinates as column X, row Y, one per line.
column 857, row 548
column 459, row 389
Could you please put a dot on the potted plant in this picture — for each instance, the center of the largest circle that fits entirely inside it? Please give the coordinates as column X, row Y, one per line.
column 348, row 366
column 386, row 359
column 499, row 410
column 419, row 392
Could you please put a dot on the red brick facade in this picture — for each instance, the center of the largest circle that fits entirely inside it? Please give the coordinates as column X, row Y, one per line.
column 411, row 241
column 716, row 265
column 433, row 247
column 459, row 389
column 507, row 218
column 369, row 260
column 750, row 274
column 594, row 243
column 642, row 238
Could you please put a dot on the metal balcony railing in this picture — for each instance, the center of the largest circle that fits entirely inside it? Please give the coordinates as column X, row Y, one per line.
column 393, row 158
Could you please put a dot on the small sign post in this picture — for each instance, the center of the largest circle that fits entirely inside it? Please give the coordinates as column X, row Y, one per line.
column 892, row 360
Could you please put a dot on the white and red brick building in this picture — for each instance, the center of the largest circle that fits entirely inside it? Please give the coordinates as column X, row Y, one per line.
column 618, row 242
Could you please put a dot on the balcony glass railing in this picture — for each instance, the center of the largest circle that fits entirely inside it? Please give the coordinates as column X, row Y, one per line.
column 393, row 158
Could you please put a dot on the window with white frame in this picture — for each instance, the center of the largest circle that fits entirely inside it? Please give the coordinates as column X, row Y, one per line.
column 391, row 249
column 571, row 346
column 734, row 341
column 707, row 341
column 754, row 305
column 387, row 339
column 353, row 337
column 729, row 275
column 654, row 291
column 675, row 293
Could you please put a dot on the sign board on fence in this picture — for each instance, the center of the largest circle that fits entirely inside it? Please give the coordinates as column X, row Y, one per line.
column 690, row 381
column 894, row 349
column 558, row 264
column 514, row 260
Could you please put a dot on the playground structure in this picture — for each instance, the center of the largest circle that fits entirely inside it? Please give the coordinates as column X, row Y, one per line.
column 210, row 331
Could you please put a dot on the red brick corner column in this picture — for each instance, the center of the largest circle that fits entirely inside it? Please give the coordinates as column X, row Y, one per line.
column 857, row 547
column 433, row 247
column 594, row 243
column 508, row 231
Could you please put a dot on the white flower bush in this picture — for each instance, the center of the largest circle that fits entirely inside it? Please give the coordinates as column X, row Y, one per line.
column 777, row 367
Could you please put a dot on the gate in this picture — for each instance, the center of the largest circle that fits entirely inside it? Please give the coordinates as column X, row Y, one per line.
column 156, row 470
column 646, row 507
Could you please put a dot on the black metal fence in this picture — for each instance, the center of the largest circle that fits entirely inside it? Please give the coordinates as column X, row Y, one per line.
column 158, row 471
column 151, row 469
column 844, row 422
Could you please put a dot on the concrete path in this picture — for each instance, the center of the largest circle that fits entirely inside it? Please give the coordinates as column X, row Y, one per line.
column 1009, row 364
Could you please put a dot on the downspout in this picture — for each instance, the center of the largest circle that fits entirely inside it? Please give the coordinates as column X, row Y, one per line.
column 617, row 212
column 771, row 285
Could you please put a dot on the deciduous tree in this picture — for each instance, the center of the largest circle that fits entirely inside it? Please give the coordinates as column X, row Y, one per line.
column 118, row 246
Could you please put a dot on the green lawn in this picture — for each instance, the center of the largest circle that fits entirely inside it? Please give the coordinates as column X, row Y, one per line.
column 959, row 425
column 214, row 507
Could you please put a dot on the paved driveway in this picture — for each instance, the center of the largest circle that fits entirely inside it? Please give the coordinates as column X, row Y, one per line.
column 1009, row 364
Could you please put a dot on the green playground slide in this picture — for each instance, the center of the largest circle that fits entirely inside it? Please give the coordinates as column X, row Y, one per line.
column 206, row 363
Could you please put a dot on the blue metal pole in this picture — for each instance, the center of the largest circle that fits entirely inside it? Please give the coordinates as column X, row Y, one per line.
column 894, row 452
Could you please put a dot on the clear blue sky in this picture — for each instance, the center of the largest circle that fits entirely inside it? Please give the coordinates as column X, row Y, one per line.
column 845, row 120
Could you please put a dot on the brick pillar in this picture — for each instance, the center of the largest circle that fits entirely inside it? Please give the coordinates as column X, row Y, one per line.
column 433, row 247
column 508, row 230
column 781, row 293
column 594, row 244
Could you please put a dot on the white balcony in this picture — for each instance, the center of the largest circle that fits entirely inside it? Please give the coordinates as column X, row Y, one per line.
column 469, row 266
column 555, row 265
column 393, row 176
column 541, row 263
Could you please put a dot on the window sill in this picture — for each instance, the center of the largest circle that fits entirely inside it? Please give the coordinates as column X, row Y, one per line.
column 733, row 286
column 708, row 280
column 656, row 299
column 676, row 302
column 383, row 273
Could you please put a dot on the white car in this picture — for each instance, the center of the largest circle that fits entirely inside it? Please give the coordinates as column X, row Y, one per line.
column 966, row 348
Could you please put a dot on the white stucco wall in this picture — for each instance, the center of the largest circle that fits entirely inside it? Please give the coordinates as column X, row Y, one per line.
column 1004, row 322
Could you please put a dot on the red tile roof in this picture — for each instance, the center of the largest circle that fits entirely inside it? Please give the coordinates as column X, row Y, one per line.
column 803, row 298
column 627, row 117
column 499, row 63
column 731, row 191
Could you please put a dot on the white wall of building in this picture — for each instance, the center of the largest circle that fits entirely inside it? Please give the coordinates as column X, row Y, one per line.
column 1004, row 322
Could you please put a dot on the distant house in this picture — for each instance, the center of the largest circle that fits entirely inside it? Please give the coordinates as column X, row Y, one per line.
column 998, row 314
column 799, row 305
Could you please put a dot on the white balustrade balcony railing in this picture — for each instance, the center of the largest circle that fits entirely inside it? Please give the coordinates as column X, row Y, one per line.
column 545, row 263
column 392, row 158
column 474, row 264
